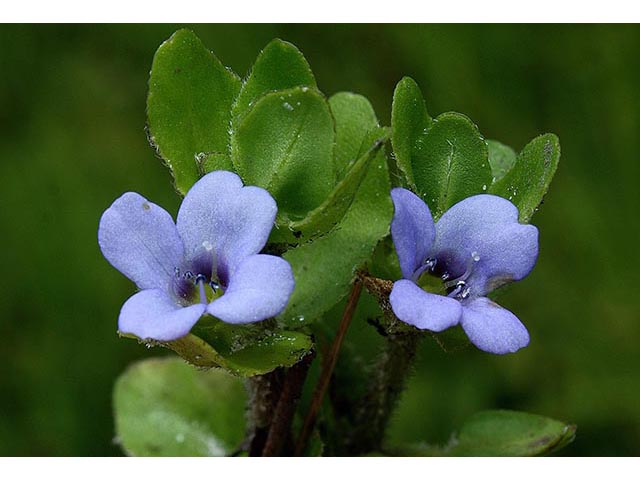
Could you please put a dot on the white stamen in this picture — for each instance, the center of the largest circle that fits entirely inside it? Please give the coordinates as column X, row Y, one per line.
column 459, row 288
column 428, row 265
column 200, row 281
column 463, row 278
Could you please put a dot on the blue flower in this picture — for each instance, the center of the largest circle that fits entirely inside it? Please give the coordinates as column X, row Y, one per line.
column 476, row 246
column 206, row 262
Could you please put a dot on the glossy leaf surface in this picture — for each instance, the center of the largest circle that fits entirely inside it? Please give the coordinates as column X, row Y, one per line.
column 528, row 180
column 285, row 144
column 189, row 105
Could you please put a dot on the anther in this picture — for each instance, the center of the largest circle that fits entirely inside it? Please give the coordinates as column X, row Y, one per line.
column 428, row 265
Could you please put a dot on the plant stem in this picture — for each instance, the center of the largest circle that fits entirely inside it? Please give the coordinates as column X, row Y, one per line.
column 264, row 393
column 280, row 431
column 390, row 375
column 328, row 366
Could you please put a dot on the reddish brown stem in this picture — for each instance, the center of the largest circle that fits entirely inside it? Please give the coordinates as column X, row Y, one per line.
column 280, row 431
column 328, row 366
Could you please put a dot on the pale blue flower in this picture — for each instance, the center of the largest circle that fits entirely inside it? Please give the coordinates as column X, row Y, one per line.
column 476, row 246
column 208, row 262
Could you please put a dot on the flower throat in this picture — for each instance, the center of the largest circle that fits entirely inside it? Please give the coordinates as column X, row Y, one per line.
column 201, row 279
column 454, row 288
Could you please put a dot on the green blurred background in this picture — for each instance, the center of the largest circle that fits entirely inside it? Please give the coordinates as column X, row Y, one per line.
column 72, row 115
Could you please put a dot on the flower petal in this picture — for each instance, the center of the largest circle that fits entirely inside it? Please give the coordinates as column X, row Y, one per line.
column 424, row 310
column 219, row 212
column 140, row 239
column 412, row 230
column 492, row 328
column 259, row 288
column 485, row 225
column 153, row 314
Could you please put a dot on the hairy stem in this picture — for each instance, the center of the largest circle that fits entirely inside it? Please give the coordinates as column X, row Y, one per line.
column 279, row 441
column 264, row 394
column 389, row 374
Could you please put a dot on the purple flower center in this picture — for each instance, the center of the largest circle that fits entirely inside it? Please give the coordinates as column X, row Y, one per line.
column 200, row 278
column 457, row 287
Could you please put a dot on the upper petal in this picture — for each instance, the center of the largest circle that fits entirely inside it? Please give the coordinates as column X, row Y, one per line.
column 219, row 212
column 487, row 226
column 492, row 328
column 153, row 314
column 422, row 309
column 259, row 288
column 412, row 230
column 140, row 239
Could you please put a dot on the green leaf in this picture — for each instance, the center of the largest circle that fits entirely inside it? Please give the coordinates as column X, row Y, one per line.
column 509, row 433
column 501, row 159
column 213, row 161
column 444, row 159
column 355, row 118
column 285, row 144
column 356, row 147
column 384, row 261
column 196, row 351
column 280, row 66
column 528, row 181
column 326, row 216
column 189, row 105
column 242, row 350
column 325, row 268
column 164, row 407
column 409, row 123
column 451, row 163
column 252, row 349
